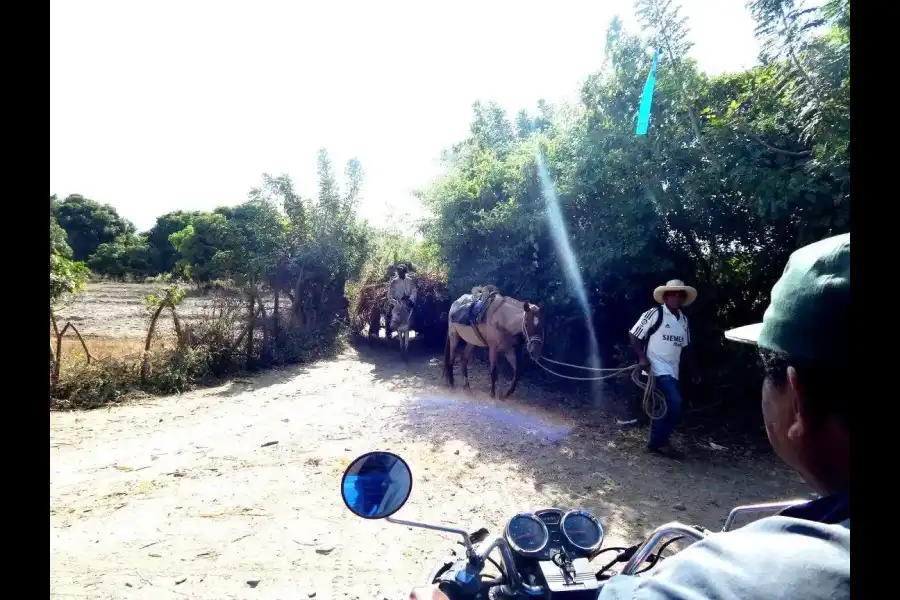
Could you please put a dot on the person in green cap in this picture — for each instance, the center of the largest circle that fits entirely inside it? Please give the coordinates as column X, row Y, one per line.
column 804, row 551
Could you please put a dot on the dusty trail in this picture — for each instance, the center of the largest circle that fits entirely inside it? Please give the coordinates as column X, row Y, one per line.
column 182, row 496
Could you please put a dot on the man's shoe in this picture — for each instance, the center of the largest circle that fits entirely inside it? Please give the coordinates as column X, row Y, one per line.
column 668, row 451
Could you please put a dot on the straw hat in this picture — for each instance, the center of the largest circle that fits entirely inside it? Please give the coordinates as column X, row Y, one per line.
column 675, row 285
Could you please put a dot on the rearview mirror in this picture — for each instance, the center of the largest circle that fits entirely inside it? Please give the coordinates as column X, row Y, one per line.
column 376, row 485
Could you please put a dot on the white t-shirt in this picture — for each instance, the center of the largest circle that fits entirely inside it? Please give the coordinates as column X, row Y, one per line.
column 664, row 348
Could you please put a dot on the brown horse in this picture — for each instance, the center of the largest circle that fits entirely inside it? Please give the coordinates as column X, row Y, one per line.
column 507, row 322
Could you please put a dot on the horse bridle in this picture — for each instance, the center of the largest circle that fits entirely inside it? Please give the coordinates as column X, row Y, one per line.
column 529, row 338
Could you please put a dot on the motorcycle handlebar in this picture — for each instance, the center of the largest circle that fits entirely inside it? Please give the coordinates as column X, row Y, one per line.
column 513, row 580
column 656, row 538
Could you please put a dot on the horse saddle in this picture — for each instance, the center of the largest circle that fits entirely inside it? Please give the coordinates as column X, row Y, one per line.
column 471, row 309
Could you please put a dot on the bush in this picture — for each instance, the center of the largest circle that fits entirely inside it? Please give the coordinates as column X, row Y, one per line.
column 101, row 383
column 206, row 352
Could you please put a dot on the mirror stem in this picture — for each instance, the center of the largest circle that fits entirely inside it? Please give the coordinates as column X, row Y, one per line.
column 470, row 550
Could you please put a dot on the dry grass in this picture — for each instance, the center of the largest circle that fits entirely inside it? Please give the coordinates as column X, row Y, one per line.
column 113, row 374
column 113, row 322
column 103, row 347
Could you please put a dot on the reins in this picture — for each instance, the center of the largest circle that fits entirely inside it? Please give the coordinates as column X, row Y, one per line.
column 653, row 402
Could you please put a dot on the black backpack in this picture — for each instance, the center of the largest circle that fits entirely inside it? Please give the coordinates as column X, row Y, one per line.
column 655, row 326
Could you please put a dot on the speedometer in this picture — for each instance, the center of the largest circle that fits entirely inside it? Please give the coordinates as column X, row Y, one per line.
column 527, row 534
column 583, row 530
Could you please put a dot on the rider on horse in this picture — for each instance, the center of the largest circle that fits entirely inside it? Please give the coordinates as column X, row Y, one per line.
column 403, row 289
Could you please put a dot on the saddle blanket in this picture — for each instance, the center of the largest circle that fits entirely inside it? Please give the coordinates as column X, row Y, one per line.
column 470, row 309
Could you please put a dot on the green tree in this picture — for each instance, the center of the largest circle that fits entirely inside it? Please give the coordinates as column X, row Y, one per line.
column 58, row 241
column 524, row 125
column 88, row 224
column 66, row 276
column 164, row 254
column 129, row 255
column 197, row 246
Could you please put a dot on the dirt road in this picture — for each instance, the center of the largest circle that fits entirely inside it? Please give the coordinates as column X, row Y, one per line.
column 233, row 492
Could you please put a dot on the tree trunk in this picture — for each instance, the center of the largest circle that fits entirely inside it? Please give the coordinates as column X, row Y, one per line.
column 54, row 374
column 275, row 315
column 252, row 314
column 145, row 360
column 52, row 362
column 297, row 302
column 265, row 327
column 177, row 323
column 247, row 327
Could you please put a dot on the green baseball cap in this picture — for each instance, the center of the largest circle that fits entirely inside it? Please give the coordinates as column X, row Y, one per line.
column 808, row 317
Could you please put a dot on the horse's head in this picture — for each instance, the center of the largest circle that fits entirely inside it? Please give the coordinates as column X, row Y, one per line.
column 533, row 330
column 399, row 314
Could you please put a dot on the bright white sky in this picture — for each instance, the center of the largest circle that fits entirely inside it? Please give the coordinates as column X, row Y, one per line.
column 158, row 106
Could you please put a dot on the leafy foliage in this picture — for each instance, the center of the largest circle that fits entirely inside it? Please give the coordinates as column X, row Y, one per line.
column 738, row 171
column 66, row 276
column 88, row 224
column 129, row 255
column 163, row 253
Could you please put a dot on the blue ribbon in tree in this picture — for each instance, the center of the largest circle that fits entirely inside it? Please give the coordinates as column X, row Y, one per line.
column 643, row 121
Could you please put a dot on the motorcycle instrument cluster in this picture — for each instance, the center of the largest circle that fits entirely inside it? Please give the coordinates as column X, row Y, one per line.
column 582, row 530
column 527, row 534
column 545, row 532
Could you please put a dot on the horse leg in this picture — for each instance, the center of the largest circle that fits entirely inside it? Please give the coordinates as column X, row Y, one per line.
column 374, row 322
column 467, row 356
column 493, row 355
column 511, row 356
column 449, row 356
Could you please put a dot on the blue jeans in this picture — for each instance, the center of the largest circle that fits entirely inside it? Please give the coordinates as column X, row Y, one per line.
column 661, row 429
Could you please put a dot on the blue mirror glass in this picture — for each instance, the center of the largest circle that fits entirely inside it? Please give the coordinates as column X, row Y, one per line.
column 376, row 485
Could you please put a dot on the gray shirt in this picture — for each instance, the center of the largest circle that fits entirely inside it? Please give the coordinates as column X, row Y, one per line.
column 804, row 552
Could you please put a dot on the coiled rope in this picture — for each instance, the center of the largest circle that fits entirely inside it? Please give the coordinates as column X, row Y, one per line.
column 653, row 403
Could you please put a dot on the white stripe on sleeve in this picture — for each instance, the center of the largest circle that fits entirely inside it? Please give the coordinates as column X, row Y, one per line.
column 640, row 328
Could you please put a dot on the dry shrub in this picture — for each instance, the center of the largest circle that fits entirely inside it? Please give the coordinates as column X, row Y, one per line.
column 114, row 380
column 206, row 352
column 214, row 333
column 304, row 345
column 363, row 299
column 216, row 287
column 101, row 383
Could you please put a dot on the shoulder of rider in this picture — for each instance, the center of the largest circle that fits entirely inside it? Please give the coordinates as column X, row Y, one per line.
column 769, row 558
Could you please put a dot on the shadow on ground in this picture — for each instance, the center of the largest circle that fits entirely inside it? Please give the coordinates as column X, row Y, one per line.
column 577, row 452
column 262, row 379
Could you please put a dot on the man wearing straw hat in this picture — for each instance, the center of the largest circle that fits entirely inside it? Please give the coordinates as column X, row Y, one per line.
column 658, row 338
column 803, row 551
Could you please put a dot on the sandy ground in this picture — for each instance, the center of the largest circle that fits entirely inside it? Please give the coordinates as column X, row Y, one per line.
column 189, row 497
